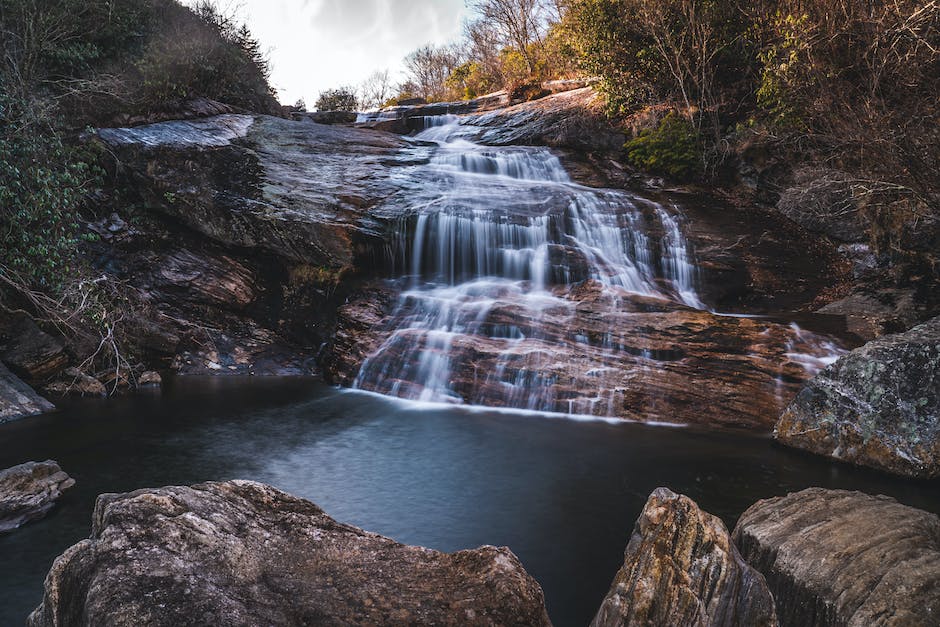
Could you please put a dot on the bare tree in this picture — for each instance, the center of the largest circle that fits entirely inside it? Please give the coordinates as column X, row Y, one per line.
column 428, row 68
column 520, row 24
column 375, row 90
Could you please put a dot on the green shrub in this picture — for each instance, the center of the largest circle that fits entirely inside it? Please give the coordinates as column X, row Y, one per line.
column 42, row 186
column 673, row 148
column 339, row 99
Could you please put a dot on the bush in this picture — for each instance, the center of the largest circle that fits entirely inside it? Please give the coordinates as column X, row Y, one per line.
column 339, row 99
column 41, row 190
column 673, row 148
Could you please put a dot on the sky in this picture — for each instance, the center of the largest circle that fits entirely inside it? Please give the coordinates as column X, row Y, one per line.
column 316, row 45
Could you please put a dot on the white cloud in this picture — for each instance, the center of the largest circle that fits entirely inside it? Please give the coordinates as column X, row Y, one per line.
column 318, row 44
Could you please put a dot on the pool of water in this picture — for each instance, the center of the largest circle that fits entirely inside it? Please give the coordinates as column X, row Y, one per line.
column 563, row 494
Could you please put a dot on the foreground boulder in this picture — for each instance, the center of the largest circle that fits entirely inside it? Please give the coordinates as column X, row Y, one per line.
column 242, row 553
column 878, row 406
column 681, row 568
column 29, row 491
column 833, row 557
column 18, row 400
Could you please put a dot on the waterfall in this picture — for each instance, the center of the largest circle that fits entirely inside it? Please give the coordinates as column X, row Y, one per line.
column 516, row 280
column 497, row 228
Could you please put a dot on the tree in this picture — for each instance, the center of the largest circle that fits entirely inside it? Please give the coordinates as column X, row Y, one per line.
column 520, row 24
column 375, row 90
column 339, row 99
column 429, row 67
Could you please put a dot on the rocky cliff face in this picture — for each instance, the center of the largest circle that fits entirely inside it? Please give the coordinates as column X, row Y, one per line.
column 242, row 553
column 681, row 569
column 29, row 491
column 844, row 558
column 878, row 406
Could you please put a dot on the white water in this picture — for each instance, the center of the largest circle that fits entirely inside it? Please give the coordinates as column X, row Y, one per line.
column 495, row 240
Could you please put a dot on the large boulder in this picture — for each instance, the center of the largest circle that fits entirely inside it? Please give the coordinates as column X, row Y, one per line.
column 18, row 400
column 833, row 557
column 877, row 406
column 29, row 491
column 294, row 190
column 681, row 568
column 242, row 553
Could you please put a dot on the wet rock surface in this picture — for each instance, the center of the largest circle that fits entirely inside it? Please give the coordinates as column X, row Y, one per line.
column 681, row 569
column 878, row 406
column 571, row 119
column 18, row 400
column 833, row 557
column 242, row 553
column 593, row 352
column 29, row 491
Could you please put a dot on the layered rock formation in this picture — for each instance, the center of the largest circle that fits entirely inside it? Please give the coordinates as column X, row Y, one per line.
column 640, row 358
column 242, row 553
column 833, row 557
column 681, row 569
column 18, row 400
column 878, row 406
column 29, row 491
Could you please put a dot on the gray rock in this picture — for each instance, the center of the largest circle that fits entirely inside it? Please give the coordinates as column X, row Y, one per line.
column 29, row 491
column 878, row 406
column 242, row 553
column 294, row 190
column 682, row 569
column 833, row 557
column 18, row 400
column 31, row 352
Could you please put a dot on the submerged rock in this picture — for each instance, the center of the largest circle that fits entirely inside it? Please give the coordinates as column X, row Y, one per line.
column 29, row 491
column 242, row 553
column 18, row 400
column 833, row 557
column 681, row 568
column 878, row 406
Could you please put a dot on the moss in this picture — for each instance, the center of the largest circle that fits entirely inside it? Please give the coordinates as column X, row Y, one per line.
column 673, row 148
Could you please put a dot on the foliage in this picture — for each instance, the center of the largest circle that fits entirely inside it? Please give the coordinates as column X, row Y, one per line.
column 41, row 189
column 339, row 99
column 673, row 148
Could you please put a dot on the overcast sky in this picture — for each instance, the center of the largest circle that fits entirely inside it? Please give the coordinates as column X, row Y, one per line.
column 319, row 44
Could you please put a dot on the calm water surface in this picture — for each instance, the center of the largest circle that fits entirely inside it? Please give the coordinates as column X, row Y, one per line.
column 563, row 494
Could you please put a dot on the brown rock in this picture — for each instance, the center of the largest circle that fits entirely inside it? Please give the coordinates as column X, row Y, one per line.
column 681, row 568
column 150, row 378
column 29, row 491
column 242, row 553
column 833, row 557
column 77, row 383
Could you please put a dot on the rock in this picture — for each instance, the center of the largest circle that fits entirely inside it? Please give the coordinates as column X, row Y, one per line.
column 833, row 557
column 570, row 119
column 29, row 491
column 326, row 117
column 294, row 190
column 878, row 406
column 681, row 568
column 18, row 400
column 28, row 350
column 150, row 378
column 76, row 383
column 242, row 553
column 641, row 359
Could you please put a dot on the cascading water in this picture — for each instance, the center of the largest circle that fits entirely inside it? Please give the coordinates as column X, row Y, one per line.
column 496, row 244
